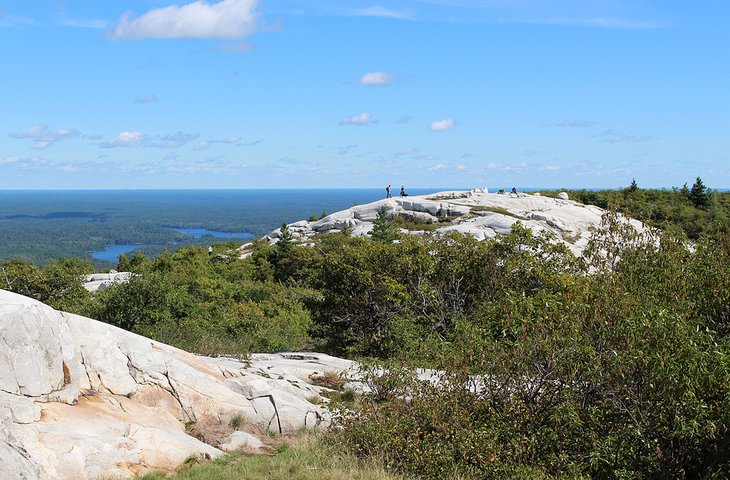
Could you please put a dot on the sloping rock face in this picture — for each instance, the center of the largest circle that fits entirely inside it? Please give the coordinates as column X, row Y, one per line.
column 475, row 212
column 80, row 399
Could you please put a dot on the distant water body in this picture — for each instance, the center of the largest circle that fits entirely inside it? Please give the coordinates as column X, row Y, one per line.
column 224, row 214
column 250, row 212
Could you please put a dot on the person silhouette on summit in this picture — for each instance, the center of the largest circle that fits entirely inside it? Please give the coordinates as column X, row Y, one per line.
column 387, row 192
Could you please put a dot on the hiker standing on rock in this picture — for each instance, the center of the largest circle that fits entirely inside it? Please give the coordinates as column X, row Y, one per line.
column 387, row 192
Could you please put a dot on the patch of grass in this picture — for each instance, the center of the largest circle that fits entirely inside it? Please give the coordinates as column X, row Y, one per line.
column 345, row 397
column 308, row 456
column 315, row 400
column 500, row 210
column 237, row 421
column 332, row 380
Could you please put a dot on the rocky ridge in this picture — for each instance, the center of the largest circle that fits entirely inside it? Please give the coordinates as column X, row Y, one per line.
column 475, row 212
column 82, row 399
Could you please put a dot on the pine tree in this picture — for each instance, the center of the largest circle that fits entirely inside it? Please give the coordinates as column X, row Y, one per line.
column 280, row 256
column 634, row 186
column 383, row 228
column 698, row 194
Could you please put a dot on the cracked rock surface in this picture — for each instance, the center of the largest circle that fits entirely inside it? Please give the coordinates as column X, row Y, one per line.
column 81, row 399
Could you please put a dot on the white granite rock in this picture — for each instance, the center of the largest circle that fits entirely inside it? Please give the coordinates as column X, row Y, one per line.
column 241, row 440
column 478, row 213
column 83, row 399
column 100, row 281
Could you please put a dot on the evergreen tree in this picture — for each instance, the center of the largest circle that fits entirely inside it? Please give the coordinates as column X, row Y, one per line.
column 383, row 228
column 698, row 194
column 280, row 256
column 634, row 186
column 285, row 244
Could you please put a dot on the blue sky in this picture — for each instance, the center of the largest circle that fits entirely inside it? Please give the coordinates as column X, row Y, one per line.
column 430, row 93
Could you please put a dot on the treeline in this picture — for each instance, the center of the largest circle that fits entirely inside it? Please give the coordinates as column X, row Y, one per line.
column 616, row 365
column 696, row 210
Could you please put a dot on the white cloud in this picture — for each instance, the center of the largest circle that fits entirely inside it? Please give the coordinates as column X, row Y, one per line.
column 43, row 137
column 439, row 166
column 551, row 168
column 359, row 119
column 146, row 99
column 125, row 139
column 492, row 165
column 442, row 125
column 229, row 19
column 139, row 139
column 460, row 166
column 376, row 79
column 8, row 160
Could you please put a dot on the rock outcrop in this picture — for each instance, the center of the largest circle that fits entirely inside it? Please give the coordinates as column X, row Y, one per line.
column 81, row 399
column 100, row 281
column 475, row 212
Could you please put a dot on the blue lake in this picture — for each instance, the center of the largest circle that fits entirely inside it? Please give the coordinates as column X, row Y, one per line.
column 203, row 232
column 112, row 252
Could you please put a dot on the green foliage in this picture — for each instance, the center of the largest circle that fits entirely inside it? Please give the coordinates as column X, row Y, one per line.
column 383, row 228
column 696, row 212
column 383, row 298
column 623, row 373
column 305, row 457
column 58, row 283
column 698, row 194
column 206, row 305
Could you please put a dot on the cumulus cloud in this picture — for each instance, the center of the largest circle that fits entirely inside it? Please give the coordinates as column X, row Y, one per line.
column 43, row 137
column 227, row 19
column 359, row 119
column 8, row 160
column 442, row 125
column 376, row 79
column 138, row 139
column 146, row 99
column 449, row 167
column 125, row 139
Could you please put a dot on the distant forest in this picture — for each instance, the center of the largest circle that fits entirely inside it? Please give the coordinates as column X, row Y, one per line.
column 41, row 226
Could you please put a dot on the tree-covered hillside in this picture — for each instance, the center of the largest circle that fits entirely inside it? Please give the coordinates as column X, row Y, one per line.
column 614, row 365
